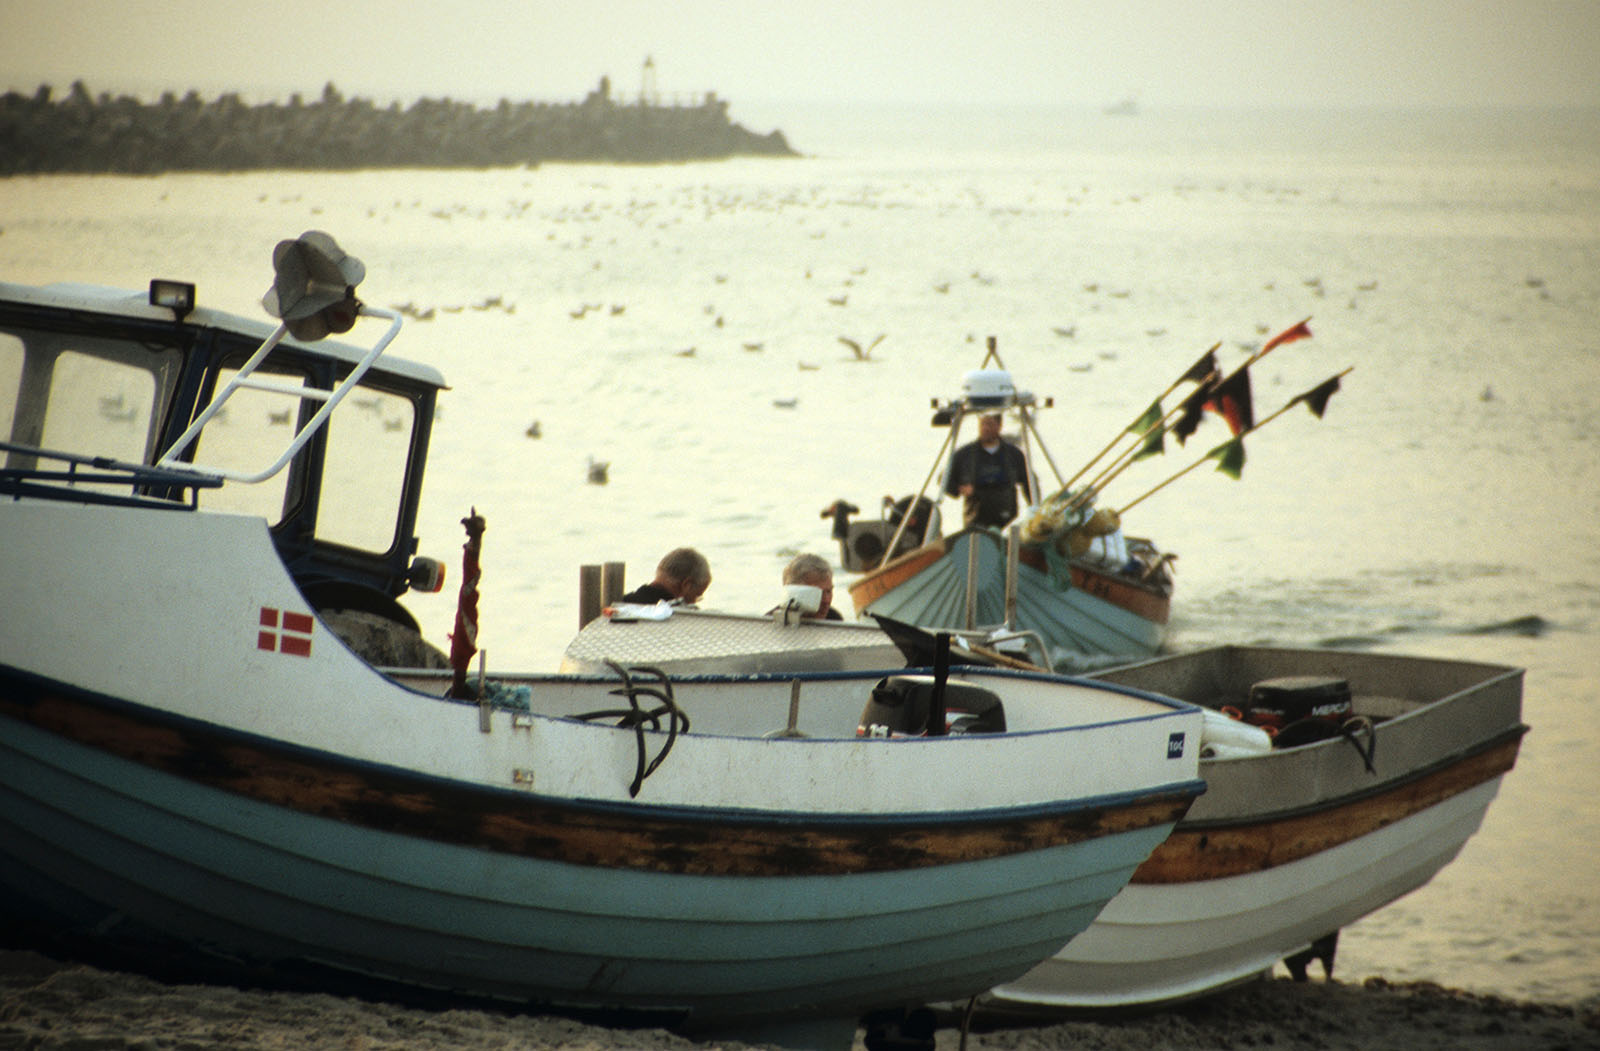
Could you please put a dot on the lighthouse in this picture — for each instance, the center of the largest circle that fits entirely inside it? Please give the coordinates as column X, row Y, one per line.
column 647, row 83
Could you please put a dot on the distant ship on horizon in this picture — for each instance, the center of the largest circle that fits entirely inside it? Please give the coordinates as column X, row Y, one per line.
column 1127, row 107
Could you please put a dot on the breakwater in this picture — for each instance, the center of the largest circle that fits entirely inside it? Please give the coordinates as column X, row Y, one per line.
column 40, row 134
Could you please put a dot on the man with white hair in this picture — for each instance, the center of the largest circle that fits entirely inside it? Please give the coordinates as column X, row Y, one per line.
column 814, row 571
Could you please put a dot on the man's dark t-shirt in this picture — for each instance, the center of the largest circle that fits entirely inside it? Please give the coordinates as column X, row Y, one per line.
column 648, row 595
column 994, row 477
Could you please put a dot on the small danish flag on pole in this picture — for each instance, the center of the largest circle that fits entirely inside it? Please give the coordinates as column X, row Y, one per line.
column 283, row 631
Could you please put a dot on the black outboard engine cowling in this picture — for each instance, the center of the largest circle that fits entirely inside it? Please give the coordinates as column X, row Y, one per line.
column 1294, row 697
column 1301, row 709
column 900, row 705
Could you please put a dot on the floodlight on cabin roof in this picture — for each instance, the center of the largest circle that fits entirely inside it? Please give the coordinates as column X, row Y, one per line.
column 176, row 296
column 314, row 290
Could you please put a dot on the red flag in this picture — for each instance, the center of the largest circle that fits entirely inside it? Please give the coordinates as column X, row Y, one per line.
column 1231, row 400
column 464, row 640
column 1288, row 335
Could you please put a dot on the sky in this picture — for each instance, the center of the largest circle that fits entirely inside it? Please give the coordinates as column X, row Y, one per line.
column 1225, row 53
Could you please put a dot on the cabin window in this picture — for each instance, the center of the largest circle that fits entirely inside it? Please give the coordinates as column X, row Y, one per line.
column 99, row 406
column 247, row 435
column 363, row 479
column 81, row 395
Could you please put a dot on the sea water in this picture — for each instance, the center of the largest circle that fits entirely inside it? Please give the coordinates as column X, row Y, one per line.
column 686, row 325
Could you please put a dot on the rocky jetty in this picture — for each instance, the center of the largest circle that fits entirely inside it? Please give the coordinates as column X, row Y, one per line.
column 105, row 134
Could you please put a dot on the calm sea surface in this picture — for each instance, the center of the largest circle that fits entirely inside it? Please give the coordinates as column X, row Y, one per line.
column 1448, row 505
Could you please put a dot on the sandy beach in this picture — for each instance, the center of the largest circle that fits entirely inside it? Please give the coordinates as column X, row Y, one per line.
column 52, row 1005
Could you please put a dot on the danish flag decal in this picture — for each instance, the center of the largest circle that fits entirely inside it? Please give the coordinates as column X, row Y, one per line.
column 283, row 631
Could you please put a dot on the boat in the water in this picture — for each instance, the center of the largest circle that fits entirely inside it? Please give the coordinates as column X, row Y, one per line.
column 196, row 767
column 1063, row 571
column 1380, row 769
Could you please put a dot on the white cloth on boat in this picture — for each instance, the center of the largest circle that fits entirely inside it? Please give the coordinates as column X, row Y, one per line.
column 1110, row 549
column 637, row 611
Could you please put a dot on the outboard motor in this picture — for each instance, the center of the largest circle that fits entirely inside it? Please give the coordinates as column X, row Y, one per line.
column 1300, row 708
column 922, row 512
column 864, row 546
column 900, row 705
column 840, row 511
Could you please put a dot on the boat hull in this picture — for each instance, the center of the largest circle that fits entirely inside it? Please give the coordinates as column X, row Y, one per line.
column 144, row 857
column 928, row 588
column 1291, row 845
column 190, row 759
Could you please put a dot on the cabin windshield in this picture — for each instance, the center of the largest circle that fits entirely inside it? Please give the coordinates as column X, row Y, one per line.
column 240, row 436
column 368, row 444
column 369, row 447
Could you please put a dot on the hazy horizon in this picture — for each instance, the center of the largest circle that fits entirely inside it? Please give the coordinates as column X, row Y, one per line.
column 1316, row 54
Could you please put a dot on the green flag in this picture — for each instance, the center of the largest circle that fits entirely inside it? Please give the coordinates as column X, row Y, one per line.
column 1149, row 426
column 1229, row 456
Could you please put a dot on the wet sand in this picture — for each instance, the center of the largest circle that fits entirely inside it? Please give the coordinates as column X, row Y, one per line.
column 49, row 1004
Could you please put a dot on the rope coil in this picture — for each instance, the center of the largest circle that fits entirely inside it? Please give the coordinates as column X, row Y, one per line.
column 635, row 717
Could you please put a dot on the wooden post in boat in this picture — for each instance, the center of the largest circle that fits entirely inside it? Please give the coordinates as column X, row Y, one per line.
column 972, row 579
column 938, row 714
column 1013, row 557
column 589, row 591
column 611, row 586
column 905, row 519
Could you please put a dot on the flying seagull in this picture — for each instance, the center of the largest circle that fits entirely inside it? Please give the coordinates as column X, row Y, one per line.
column 862, row 354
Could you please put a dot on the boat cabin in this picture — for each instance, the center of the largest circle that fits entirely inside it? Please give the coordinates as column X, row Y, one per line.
column 98, row 385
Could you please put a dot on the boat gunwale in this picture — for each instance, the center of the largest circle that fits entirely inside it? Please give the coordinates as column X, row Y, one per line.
column 944, row 542
column 1328, row 803
column 228, row 737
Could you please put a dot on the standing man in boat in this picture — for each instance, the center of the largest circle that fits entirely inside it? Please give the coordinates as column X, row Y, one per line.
column 986, row 474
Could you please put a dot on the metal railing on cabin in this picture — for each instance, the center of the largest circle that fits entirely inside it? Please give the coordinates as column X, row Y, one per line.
column 244, row 379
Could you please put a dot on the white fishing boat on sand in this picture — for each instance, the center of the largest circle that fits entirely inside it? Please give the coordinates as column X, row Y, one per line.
column 196, row 768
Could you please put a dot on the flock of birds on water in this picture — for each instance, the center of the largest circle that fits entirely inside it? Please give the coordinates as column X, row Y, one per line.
column 861, row 350
column 597, row 472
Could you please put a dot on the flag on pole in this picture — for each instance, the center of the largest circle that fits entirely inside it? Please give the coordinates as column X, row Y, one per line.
column 1229, row 456
column 1149, row 428
column 1231, row 400
column 464, row 640
column 1316, row 399
column 1288, row 335
column 1203, row 369
column 1193, row 408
